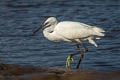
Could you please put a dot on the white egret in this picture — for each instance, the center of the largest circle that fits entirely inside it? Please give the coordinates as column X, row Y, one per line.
column 70, row 31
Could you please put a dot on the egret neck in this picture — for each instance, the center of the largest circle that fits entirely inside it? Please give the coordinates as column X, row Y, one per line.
column 50, row 34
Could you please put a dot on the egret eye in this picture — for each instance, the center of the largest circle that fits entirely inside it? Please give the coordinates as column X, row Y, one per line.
column 46, row 24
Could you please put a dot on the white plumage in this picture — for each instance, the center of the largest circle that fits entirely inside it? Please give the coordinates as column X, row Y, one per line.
column 70, row 31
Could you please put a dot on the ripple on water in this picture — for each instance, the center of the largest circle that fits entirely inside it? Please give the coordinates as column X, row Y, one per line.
column 21, row 17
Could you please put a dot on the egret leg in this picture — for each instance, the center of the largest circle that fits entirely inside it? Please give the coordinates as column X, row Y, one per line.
column 82, row 54
column 81, row 57
column 69, row 58
column 82, row 44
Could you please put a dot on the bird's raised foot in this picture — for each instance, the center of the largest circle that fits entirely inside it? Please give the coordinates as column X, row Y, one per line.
column 69, row 59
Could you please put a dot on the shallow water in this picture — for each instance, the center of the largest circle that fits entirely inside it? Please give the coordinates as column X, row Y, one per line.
column 22, row 17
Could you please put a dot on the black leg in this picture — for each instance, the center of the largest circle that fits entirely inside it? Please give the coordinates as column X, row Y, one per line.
column 81, row 43
column 81, row 57
column 79, row 52
column 82, row 54
column 69, row 58
column 74, row 53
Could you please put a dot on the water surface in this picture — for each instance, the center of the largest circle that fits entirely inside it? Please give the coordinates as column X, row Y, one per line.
column 22, row 17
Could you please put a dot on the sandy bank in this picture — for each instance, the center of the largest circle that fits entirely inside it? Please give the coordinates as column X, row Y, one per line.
column 16, row 72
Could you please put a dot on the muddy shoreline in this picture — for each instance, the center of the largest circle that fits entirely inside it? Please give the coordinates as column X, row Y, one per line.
column 16, row 72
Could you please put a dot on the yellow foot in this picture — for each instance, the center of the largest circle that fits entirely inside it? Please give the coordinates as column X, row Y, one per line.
column 69, row 58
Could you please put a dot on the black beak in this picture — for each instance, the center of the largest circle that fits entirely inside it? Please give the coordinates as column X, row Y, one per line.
column 41, row 27
column 37, row 30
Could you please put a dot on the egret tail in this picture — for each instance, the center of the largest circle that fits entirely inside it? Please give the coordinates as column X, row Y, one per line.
column 99, row 31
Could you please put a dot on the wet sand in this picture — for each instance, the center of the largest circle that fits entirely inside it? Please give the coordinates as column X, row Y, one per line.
column 16, row 72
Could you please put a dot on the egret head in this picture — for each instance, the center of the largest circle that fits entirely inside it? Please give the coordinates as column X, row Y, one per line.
column 50, row 21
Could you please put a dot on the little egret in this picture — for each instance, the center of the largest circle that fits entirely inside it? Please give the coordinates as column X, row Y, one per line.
column 70, row 31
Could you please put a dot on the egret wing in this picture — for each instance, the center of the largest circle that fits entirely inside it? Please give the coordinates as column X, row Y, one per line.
column 73, row 30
